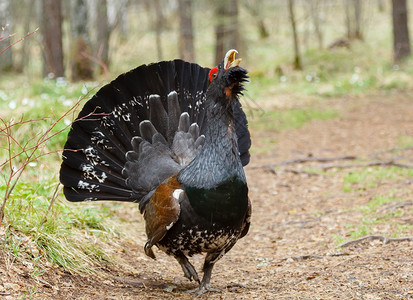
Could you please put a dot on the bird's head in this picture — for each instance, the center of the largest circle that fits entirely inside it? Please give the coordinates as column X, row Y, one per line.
column 227, row 80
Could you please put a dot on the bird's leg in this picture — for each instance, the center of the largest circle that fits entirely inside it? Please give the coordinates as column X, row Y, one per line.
column 187, row 267
column 209, row 263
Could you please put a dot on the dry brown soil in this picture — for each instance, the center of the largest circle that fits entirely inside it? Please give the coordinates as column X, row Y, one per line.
column 291, row 251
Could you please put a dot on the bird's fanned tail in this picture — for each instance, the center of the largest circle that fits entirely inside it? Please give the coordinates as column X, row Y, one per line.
column 124, row 142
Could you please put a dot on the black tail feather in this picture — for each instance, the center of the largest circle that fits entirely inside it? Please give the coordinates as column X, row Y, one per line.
column 109, row 126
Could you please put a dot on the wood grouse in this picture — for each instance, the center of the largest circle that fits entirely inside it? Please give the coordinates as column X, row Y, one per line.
column 171, row 136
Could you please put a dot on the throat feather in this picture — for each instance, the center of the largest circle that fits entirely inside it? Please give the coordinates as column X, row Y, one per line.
column 219, row 158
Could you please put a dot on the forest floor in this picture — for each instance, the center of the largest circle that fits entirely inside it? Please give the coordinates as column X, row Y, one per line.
column 303, row 209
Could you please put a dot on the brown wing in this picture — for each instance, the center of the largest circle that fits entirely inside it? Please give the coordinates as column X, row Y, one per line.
column 161, row 212
column 247, row 222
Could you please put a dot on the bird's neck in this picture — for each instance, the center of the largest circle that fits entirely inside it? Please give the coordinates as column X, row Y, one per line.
column 219, row 159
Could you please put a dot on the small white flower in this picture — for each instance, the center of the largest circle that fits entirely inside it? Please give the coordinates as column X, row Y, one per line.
column 12, row 104
column 61, row 82
column 68, row 102
column 3, row 95
column 84, row 90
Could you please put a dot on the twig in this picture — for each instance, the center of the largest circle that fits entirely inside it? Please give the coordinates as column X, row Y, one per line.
column 391, row 150
column 11, row 45
column 98, row 60
column 30, row 152
column 297, row 172
column 317, row 159
column 337, row 254
column 310, row 256
column 300, row 258
column 237, row 285
column 396, row 206
column 370, row 164
column 305, row 257
column 382, row 238
column 56, row 192
column 304, row 160
column 8, row 180
column 298, row 222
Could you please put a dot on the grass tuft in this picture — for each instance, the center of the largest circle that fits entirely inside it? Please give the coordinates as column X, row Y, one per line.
column 67, row 236
column 368, row 178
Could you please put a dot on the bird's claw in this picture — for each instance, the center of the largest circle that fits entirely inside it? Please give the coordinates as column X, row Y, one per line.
column 190, row 272
column 192, row 276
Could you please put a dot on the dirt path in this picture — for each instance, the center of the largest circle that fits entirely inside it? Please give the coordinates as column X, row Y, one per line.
column 298, row 218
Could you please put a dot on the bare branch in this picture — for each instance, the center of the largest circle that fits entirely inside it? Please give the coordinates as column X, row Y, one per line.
column 396, row 206
column 30, row 152
column 370, row 164
column 396, row 149
column 294, row 171
column 98, row 60
column 298, row 222
column 309, row 256
column 325, row 167
column 11, row 45
column 382, row 238
column 305, row 160
column 56, row 192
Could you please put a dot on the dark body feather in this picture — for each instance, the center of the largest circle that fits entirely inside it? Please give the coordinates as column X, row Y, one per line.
column 162, row 136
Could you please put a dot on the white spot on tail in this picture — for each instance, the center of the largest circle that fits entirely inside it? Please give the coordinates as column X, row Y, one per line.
column 126, row 117
column 83, row 185
column 136, row 101
column 172, row 93
column 154, row 96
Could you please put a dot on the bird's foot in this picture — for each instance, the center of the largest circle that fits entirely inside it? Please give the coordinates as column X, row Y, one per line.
column 202, row 289
column 190, row 272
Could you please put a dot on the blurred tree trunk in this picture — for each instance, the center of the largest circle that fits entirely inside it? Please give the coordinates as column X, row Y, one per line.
column 81, row 66
column 315, row 6
column 52, row 38
column 226, row 29
column 6, row 58
column 297, row 56
column 401, row 41
column 103, row 34
column 353, row 12
column 186, row 31
column 347, row 15
column 121, row 18
column 25, row 12
column 158, row 28
column 255, row 8
column 357, row 6
column 381, row 5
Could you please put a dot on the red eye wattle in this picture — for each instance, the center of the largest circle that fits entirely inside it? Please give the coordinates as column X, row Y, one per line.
column 213, row 74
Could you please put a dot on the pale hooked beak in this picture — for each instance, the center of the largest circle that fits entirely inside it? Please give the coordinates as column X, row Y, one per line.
column 230, row 61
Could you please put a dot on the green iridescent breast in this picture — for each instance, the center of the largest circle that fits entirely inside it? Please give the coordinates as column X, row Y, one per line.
column 225, row 204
